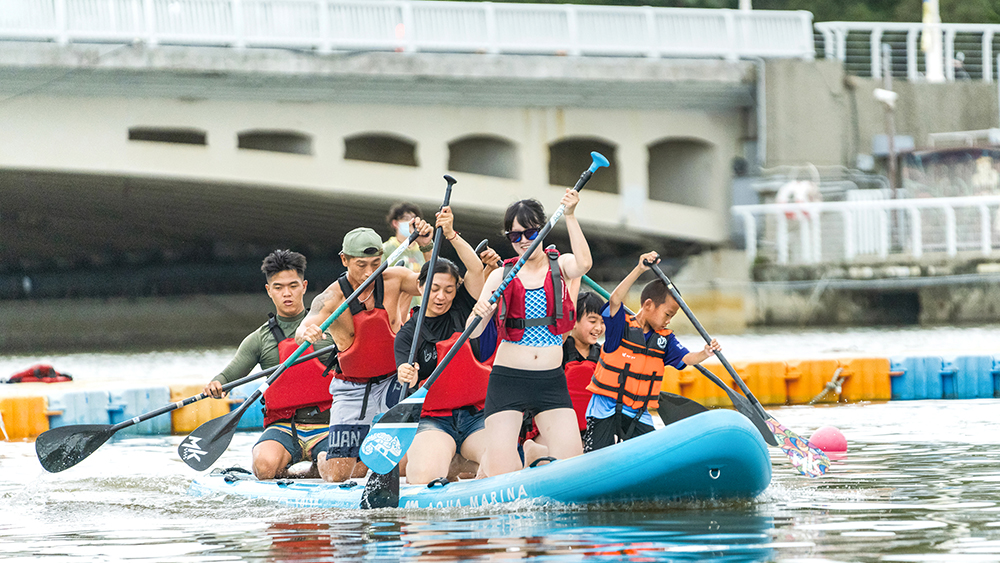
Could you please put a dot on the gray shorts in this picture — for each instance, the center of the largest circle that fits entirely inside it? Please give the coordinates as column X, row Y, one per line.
column 348, row 427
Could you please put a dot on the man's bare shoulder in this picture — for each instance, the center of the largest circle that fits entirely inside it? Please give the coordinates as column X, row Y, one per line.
column 329, row 298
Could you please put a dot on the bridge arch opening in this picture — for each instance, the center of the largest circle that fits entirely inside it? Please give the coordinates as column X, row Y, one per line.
column 381, row 147
column 291, row 142
column 180, row 136
column 484, row 154
column 568, row 159
column 680, row 171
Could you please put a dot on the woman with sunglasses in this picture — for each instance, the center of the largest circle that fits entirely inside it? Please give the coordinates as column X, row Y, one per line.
column 535, row 310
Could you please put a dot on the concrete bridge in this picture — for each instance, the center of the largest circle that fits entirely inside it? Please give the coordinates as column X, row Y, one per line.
column 111, row 150
column 161, row 147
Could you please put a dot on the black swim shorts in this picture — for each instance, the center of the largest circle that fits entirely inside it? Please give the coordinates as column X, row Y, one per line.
column 526, row 391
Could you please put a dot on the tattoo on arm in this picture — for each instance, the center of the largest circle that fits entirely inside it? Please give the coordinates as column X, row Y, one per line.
column 318, row 303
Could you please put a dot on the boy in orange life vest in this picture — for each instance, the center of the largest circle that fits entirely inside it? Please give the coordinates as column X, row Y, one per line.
column 364, row 385
column 636, row 347
column 297, row 405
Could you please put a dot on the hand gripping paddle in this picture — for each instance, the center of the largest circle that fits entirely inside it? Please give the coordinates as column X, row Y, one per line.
column 805, row 457
column 392, row 435
column 203, row 446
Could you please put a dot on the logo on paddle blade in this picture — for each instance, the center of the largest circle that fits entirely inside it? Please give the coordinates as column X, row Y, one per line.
column 191, row 449
column 382, row 443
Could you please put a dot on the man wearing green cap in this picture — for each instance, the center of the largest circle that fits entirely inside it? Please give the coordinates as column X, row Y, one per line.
column 365, row 383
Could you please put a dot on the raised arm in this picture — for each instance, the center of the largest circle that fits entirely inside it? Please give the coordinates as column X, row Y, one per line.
column 408, row 281
column 483, row 307
column 621, row 292
column 474, row 275
column 578, row 263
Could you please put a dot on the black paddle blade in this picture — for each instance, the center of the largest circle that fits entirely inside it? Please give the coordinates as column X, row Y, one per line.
column 674, row 407
column 382, row 491
column 203, row 446
column 66, row 446
column 743, row 406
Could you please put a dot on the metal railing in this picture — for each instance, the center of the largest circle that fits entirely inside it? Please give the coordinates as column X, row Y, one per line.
column 969, row 50
column 414, row 25
column 846, row 231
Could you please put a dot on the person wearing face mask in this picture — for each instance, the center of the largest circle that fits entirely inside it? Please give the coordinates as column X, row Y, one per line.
column 451, row 421
column 627, row 380
column 398, row 219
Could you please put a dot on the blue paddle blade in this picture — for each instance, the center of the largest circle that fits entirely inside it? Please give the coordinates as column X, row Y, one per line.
column 391, row 436
column 599, row 161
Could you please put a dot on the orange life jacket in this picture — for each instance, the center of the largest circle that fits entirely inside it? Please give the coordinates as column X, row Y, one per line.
column 462, row 383
column 560, row 310
column 299, row 386
column 370, row 356
column 632, row 374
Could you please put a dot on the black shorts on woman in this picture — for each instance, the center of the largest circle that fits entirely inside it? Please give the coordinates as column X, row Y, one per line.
column 526, row 391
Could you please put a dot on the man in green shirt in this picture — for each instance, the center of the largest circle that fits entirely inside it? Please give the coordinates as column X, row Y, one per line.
column 297, row 416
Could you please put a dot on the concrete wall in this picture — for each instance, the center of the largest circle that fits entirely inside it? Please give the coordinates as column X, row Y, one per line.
column 816, row 113
column 34, row 326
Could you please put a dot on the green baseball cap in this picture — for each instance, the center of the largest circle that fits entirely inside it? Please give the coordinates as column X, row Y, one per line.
column 362, row 242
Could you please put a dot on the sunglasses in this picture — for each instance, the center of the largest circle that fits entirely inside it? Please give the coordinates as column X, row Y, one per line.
column 515, row 236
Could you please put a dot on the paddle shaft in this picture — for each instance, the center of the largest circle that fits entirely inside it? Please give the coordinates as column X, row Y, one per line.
column 708, row 339
column 228, row 386
column 474, row 322
column 428, row 283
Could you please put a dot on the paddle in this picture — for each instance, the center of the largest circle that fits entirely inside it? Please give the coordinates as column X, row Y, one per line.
column 382, row 489
column 680, row 408
column 741, row 405
column 806, row 458
column 65, row 446
column 203, row 446
column 392, row 435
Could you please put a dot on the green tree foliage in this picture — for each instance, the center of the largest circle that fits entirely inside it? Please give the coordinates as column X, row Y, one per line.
column 952, row 11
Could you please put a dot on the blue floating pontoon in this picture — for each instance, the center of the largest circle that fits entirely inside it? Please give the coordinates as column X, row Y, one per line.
column 712, row 455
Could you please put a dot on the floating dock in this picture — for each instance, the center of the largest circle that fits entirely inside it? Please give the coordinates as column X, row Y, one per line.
column 28, row 409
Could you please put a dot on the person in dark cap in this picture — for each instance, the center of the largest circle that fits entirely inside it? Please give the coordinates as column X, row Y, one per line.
column 364, row 383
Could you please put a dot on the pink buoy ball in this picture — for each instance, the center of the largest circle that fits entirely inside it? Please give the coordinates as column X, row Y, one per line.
column 829, row 439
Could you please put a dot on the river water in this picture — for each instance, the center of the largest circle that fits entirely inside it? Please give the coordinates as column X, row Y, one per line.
column 919, row 483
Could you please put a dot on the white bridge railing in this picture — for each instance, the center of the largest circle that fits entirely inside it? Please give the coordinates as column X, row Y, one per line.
column 846, row 231
column 969, row 50
column 412, row 25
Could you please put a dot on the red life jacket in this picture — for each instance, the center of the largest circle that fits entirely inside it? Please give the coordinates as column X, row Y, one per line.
column 560, row 313
column 370, row 356
column 462, row 383
column 299, row 386
column 578, row 375
column 39, row 373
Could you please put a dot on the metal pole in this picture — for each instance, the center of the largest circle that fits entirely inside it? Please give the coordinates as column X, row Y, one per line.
column 890, row 119
column 930, row 42
column 890, row 127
